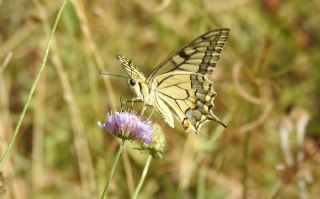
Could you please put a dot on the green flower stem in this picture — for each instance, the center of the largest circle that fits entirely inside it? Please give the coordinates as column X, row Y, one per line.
column 143, row 176
column 33, row 88
column 112, row 170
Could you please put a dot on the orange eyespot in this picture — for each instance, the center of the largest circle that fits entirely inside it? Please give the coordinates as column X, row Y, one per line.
column 186, row 124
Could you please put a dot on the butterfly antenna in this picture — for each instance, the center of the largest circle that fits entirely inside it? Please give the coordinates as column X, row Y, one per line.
column 101, row 72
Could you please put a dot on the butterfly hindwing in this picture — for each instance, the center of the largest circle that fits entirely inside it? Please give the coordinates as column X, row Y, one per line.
column 188, row 96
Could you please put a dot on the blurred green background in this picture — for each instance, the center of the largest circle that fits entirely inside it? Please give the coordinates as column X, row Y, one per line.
column 267, row 82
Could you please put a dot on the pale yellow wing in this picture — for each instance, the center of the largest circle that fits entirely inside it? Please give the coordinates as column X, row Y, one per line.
column 199, row 56
column 180, row 84
column 189, row 97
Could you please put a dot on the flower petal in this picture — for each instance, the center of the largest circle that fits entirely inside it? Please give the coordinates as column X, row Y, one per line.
column 127, row 125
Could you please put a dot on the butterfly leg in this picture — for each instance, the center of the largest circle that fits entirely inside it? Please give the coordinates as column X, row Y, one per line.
column 136, row 99
column 151, row 113
column 124, row 102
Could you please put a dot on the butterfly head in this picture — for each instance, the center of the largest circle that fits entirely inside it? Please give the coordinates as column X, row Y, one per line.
column 136, row 79
column 135, row 87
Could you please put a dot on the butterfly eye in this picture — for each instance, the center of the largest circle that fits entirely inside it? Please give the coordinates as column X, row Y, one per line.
column 132, row 82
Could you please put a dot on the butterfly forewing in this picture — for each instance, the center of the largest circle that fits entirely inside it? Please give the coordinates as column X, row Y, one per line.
column 199, row 56
column 132, row 71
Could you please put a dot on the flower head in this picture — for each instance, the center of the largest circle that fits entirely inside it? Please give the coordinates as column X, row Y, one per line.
column 158, row 146
column 128, row 126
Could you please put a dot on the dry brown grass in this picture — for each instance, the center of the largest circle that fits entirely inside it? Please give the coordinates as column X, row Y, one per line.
column 267, row 77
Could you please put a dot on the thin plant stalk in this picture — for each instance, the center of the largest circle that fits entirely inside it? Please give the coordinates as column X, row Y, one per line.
column 86, row 170
column 112, row 170
column 33, row 88
column 246, row 157
column 128, row 172
column 143, row 176
column 201, row 183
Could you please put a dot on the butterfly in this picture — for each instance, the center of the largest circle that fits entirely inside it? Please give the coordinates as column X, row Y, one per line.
column 179, row 86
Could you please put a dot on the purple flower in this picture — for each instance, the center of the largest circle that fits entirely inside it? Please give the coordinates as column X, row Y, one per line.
column 127, row 125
